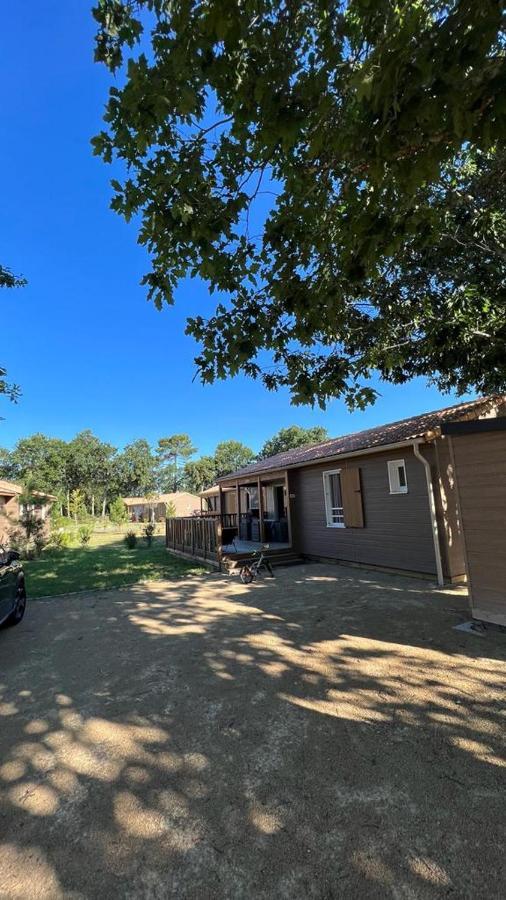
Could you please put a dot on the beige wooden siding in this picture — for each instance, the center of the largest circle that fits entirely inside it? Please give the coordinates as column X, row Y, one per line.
column 397, row 530
column 480, row 463
column 229, row 502
column 9, row 516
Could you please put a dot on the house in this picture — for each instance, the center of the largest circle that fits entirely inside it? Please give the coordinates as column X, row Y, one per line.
column 153, row 509
column 384, row 497
column 11, row 509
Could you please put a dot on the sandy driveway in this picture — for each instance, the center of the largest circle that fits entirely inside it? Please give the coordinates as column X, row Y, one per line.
column 324, row 735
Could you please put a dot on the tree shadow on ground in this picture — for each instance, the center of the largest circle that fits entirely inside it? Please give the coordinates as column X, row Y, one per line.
column 325, row 734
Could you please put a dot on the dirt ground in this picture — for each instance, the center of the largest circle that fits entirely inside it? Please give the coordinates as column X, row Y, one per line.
column 327, row 734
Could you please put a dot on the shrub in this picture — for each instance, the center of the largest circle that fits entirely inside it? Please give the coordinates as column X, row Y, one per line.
column 118, row 512
column 84, row 534
column 60, row 540
column 131, row 539
column 77, row 507
column 170, row 509
column 39, row 542
column 31, row 522
column 149, row 531
column 57, row 521
column 17, row 540
column 27, row 546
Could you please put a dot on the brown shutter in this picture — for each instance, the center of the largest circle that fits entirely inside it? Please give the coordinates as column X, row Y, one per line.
column 352, row 498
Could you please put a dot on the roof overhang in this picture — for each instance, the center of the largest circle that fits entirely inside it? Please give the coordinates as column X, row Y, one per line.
column 367, row 451
column 474, row 426
column 8, row 489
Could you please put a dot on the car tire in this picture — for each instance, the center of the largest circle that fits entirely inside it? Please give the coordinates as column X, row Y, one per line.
column 19, row 610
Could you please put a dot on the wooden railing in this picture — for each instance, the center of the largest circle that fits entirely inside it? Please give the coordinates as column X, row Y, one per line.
column 197, row 536
column 228, row 520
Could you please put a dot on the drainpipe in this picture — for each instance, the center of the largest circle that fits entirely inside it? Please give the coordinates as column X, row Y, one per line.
column 432, row 508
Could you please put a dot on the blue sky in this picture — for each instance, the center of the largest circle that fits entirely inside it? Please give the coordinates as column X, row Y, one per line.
column 82, row 341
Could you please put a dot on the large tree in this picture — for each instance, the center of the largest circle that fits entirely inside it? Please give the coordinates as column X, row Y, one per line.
column 134, row 469
column 292, row 437
column 9, row 280
column 199, row 474
column 312, row 161
column 90, row 468
column 173, row 452
column 37, row 459
column 230, row 456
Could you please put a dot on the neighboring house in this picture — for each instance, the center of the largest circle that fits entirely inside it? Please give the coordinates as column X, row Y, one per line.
column 11, row 509
column 153, row 509
column 383, row 497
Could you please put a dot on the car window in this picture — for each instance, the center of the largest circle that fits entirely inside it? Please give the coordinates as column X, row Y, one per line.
column 3, row 556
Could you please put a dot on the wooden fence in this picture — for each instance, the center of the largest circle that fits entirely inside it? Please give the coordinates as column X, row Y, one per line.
column 199, row 537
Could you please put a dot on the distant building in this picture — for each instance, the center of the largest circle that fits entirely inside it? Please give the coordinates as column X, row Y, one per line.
column 11, row 509
column 153, row 509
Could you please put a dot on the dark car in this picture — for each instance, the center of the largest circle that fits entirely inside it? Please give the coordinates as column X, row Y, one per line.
column 12, row 588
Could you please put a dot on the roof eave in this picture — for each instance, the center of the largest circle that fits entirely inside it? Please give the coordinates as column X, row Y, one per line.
column 366, row 451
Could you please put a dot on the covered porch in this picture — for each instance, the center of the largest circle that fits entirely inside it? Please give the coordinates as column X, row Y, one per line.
column 255, row 510
column 238, row 516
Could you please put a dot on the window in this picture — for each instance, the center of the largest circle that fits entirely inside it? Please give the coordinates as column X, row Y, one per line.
column 252, row 498
column 333, row 499
column 397, row 476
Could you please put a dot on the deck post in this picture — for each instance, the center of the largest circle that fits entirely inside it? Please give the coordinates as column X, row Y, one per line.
column 261, row 510
column 238, row 499
column 288, row 509
column 219, row 541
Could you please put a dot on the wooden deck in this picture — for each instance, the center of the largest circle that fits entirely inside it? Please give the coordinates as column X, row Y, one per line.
column 201, row 538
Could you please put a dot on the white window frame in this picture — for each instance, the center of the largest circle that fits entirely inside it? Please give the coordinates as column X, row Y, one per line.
column 329, row 510
column 393, row 466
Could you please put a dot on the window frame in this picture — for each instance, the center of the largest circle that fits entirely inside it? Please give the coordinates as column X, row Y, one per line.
column 393, row 466
column 327, row 498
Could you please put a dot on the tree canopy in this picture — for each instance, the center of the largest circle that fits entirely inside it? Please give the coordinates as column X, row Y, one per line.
column 172, row 452
column 323, row 165
column 89, row 474
column 292, row 437
column 136, row 469
column 199, row 474
column 230, row 456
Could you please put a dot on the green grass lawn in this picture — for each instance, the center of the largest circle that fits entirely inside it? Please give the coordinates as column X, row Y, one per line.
column 105, row 563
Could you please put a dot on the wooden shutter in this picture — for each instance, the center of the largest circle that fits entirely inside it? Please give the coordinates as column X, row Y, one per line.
column 352, row 498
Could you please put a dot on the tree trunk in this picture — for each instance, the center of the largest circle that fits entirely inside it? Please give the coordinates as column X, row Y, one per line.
column 93, row 506
column 104, row 504
column 68, row 504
